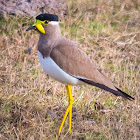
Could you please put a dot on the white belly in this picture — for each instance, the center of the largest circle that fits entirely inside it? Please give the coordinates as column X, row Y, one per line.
column 53, row 70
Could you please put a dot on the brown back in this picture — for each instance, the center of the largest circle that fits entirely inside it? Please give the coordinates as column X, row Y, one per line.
column 76, row 63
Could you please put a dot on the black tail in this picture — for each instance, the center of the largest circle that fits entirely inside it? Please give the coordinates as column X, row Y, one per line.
column 117, row 92
column 125, row 95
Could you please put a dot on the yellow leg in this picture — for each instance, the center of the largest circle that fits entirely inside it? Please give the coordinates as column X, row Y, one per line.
column 69, row 110
column 69, row 91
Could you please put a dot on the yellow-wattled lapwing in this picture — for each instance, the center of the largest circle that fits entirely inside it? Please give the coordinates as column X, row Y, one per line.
column 61, row 59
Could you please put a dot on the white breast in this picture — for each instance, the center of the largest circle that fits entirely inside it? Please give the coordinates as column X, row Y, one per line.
column 53, row 70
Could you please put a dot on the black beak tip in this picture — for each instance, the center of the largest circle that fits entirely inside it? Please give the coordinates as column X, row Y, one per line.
column 30, row 28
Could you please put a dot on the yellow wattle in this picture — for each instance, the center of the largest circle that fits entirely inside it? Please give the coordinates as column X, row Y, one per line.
column 40, row 28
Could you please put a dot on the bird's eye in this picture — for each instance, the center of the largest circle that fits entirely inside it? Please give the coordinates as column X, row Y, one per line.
column 46, row 22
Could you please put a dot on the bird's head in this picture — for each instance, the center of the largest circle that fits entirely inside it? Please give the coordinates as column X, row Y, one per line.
column 42, row 21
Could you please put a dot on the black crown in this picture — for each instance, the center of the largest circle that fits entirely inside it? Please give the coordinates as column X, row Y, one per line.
column 49, row 17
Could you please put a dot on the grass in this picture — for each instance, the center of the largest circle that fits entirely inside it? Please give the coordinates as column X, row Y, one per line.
column 32, row 104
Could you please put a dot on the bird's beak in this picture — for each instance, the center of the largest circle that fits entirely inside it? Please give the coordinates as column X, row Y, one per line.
column 37, row 25
column 31, row 27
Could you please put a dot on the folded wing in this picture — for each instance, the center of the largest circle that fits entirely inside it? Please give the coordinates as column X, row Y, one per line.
column 77, row 64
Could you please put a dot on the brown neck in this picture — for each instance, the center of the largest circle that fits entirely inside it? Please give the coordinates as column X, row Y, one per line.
column 48, row 40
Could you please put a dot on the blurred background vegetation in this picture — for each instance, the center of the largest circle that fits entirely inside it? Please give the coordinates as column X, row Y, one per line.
column 32, row 104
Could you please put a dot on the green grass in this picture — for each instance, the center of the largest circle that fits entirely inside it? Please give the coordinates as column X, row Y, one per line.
column 32, row 104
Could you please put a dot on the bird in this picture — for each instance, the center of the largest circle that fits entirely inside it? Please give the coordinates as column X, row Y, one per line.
column 65, row 62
